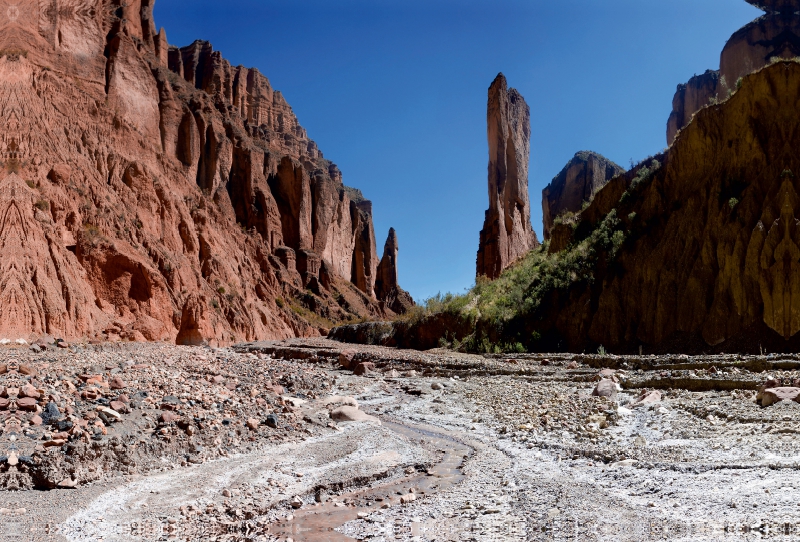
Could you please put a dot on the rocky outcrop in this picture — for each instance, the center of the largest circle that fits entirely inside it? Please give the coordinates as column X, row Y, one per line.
column 158, row 193
column 387, row 286
column 507, row 233
column 690, row 98
column 577, row 183
column 776, row 35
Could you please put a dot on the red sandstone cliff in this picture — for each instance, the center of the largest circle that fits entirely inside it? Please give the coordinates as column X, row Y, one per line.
column 507, row 233
column 150, row 192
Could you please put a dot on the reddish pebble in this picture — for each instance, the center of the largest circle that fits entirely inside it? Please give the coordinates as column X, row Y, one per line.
column 117, row 383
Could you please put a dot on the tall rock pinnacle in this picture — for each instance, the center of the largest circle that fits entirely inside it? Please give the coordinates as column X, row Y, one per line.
column 507, row 233
column 387, row 286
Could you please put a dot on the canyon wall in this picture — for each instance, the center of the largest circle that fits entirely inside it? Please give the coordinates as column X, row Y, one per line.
column 159, row 193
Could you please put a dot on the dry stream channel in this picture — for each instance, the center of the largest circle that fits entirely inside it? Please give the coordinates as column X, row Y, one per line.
column 478, row 448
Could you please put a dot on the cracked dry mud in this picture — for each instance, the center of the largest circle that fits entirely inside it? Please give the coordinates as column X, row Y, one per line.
column 466, row 447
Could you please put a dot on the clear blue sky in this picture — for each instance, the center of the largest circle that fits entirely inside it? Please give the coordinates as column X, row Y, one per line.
column 394, row 92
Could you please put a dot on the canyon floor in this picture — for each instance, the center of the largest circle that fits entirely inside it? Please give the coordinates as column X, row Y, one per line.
column 278, row 441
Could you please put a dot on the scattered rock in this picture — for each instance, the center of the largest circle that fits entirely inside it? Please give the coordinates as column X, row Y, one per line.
column 364, row 368
column 352, row 414
column 605, row 388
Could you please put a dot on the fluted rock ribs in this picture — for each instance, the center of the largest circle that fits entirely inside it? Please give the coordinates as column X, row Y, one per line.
column 156, row 193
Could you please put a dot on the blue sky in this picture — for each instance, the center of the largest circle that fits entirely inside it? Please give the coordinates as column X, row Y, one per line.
column 394, row 92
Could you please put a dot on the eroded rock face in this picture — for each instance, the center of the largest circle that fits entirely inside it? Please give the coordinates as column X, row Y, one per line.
column 507, row 233
column 387, row 286
column 711, row 255
column 584, row 175
column 156, row 193
column 776, row 35
column 690, row 98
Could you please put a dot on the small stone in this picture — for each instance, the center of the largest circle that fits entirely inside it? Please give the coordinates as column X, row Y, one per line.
column 26, row 403
column 117, row 383
column 168, row 417
column 272, row 421
column 346, row 358
column 405, row 499
column 29, row 391
column 572, row 365
column 605, row 388
column 436, row 386
column 253, row 424
column 364, row 368
column 296, row 502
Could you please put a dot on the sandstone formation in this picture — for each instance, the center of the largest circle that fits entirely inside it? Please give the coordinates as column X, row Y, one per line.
column 157, row 193
column 387, row 286
column 690, row 98
column 776, row 35
column 507, row 233
column 577, row 183
column 710, row 256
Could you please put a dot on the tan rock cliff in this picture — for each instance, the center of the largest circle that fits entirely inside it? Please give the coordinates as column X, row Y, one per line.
column 711, row 251
column 776, row 35
column 577, row 183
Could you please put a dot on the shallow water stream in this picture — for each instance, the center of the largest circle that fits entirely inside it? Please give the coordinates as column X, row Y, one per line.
column 321, row 522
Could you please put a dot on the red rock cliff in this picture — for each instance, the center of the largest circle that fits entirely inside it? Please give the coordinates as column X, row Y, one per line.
column 507, row 233
column 150, row 192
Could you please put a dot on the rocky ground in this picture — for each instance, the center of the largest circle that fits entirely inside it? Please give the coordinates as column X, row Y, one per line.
column 315, row 440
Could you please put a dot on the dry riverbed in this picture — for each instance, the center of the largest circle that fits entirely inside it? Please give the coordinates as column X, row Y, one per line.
column 278, row 441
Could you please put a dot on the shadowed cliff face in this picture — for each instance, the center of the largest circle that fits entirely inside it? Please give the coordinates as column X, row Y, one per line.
column 576, row 185
column 150, row 192
column 712, row 238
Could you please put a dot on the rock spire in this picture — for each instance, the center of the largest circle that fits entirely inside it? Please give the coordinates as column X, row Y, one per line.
column 507, row 233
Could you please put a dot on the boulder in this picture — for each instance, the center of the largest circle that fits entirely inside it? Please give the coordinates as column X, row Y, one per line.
column 647, row 399
column 363, row 368
column 771, row 396
column 346, row 358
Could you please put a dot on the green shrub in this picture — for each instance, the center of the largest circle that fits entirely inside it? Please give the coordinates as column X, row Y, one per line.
column 732, row 203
